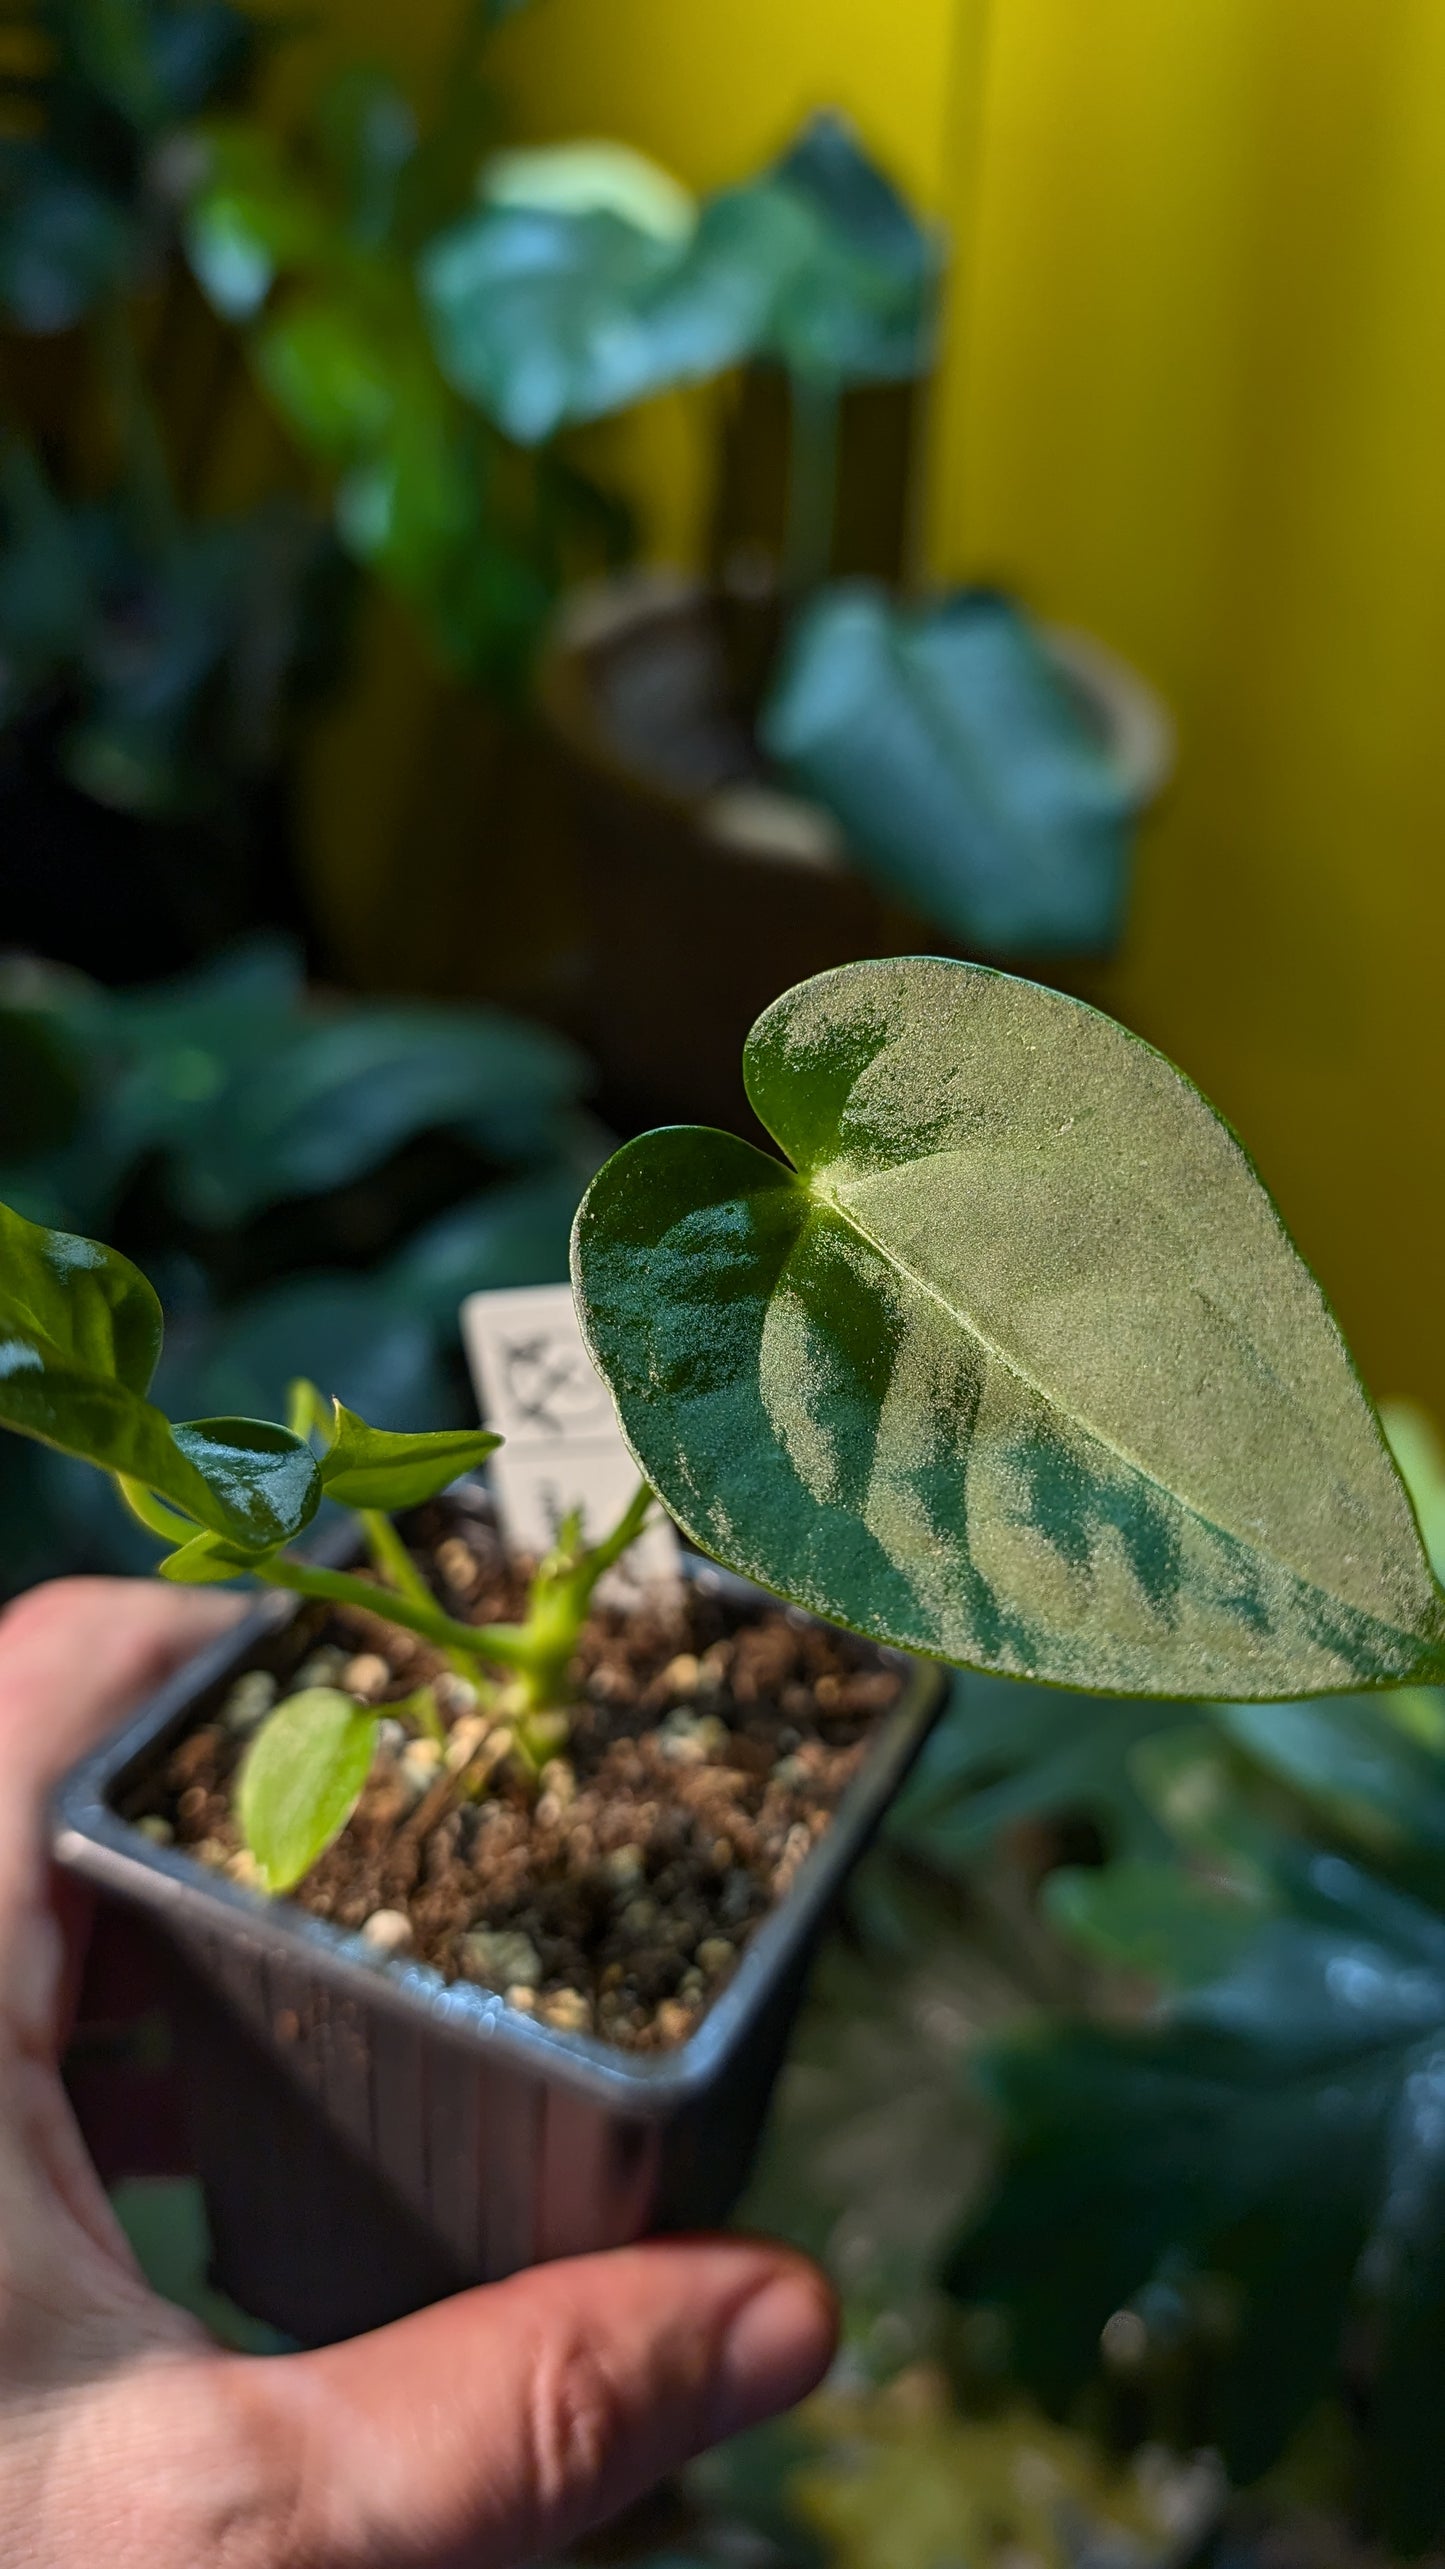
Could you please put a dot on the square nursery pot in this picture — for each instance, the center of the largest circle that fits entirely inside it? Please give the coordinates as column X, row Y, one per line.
column 370, row 2138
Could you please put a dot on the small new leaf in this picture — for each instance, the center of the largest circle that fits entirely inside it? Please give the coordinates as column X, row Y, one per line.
column 301, row 1780
column 370, row 1467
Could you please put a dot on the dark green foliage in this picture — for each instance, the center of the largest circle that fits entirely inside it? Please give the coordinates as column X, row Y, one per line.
column 158, row 651
column 563, row 299
column 286, row 1165
column 80, row 207
column 1262, row 2173
column 310, row 248
column 967, row 779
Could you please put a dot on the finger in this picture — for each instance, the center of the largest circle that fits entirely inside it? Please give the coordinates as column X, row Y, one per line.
column 75, row 1656
column 495, row 2428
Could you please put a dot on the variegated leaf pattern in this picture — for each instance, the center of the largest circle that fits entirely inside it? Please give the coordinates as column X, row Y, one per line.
column 1012, row 1361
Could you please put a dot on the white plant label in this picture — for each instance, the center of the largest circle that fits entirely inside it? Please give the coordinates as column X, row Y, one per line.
column 538, row 1387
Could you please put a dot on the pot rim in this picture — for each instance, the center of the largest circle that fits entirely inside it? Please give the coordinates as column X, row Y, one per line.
column 1135, row 724
column 91, row 1839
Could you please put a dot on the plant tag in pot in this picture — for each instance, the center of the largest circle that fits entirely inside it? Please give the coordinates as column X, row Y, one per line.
column 537, row 1386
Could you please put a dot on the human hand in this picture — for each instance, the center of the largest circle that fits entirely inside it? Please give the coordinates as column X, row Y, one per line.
column 488, row 2431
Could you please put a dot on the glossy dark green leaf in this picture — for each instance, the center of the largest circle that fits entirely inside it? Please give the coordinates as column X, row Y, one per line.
column 1014, row 1363
column 1280, row 2129
column 373, row 1467
column 262, row 1481
column 966, row 776
column 301, row 1779
column 80, row 1333
column 83, row 1307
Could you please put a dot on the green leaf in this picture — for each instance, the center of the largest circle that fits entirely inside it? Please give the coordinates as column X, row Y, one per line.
column 80, row 1332
column 1156, row 1918
column 573, row 292
column 301, row 1779
column 338, row 1093
column 251, row 219
column 1014, row 1364
column 1355, row 1762
column 1280, row 2128
column 859, row 305
column 966, row 776
column 85, row 1306
column 370, row 1467
column 262, row 1480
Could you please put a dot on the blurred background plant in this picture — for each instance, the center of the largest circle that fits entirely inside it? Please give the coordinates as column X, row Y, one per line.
column 313, row 1183
column 152, row 655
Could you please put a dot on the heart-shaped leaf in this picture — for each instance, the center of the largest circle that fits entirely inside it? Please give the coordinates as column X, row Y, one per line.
column 301, row 1780
column 1014, row 1364
column 370, row 1467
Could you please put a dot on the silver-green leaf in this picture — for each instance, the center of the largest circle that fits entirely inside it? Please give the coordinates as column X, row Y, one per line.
column 1014, row 1363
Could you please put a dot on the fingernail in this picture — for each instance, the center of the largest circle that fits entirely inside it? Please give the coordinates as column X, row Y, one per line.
column 777, row 2348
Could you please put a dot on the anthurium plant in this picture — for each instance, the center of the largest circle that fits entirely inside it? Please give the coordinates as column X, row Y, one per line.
column 1009, row 1359
column 80, row 1338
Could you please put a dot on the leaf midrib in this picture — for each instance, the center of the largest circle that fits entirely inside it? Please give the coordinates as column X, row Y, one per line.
column 825, row 1198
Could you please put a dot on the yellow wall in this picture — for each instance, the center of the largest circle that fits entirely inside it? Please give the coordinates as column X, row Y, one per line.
column 1198, row 403
column 1194, row 399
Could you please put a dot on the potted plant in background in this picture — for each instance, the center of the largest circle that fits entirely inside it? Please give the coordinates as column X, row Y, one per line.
column 790, row 767
column 313, row 1181
column 1108, row 1437
column 153, row 655
column 437, row 355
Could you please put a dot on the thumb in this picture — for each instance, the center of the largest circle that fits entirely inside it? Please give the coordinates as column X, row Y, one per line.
column 495, row 2428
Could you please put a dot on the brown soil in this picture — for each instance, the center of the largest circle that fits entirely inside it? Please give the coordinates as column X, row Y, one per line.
column 709, row 1748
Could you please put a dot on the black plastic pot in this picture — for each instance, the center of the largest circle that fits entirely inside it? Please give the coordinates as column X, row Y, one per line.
column 370, row 2139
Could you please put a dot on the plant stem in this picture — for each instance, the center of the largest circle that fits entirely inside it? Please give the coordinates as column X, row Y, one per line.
column 341, row 1588
column 392, row 1558
column 397, row 1567
column 815, row 414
